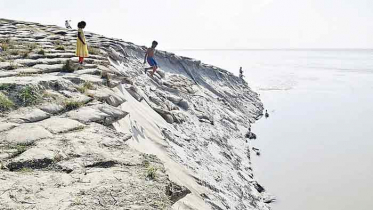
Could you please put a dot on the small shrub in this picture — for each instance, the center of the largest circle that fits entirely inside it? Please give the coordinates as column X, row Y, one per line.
column 94, row 51
column 28, row 96
column 71, row 105
column 151, row 172
column 41, row 52
column 5, row 103
column 68, row 67
column 60, row 47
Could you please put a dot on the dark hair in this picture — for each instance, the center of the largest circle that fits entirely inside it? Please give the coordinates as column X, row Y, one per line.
column 82, row 24
column 154, row 43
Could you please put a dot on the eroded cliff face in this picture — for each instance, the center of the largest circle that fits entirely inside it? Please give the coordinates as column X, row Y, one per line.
column 108, row 136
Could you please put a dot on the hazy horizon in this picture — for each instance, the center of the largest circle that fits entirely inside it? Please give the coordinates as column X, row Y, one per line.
column 237, row 24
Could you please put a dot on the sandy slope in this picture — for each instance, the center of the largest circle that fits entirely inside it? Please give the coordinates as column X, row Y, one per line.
column 145, row 125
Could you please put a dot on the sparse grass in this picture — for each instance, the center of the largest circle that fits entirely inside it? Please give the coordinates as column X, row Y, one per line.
column 47, row 94
column 28, row 96
column 20, row 149
column 60, row 47
column 5, row 103
column 7, row 87
column 25, row 54
column 77, row 202
column 81, row 89
column 57, row 42
column 14, row 52
column 12, row 65
column 5, row 46
column 25, row 170
column 32, row 46
column 79, row 128
column 94, row 51
column 41, row 52
column 71, row 105
column 160, row 204
column 24, row 74
column 86, row 86
column 146, row 163
column 57, row 158
column 151, row 172
column 2, row 165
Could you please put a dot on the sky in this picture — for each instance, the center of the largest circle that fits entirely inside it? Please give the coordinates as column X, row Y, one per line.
column 211, row 24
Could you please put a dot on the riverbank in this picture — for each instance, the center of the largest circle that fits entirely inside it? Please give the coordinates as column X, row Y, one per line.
column 176, row 141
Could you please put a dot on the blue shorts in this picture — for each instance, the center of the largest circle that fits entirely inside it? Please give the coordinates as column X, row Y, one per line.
column 152, row 62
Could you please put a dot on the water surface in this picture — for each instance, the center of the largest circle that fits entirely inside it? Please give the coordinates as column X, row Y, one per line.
column 317, row 144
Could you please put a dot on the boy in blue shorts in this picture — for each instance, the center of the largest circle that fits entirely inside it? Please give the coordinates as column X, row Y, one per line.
column 149, row 56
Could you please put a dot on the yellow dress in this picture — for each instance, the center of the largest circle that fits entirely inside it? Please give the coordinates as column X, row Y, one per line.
column 81, row 49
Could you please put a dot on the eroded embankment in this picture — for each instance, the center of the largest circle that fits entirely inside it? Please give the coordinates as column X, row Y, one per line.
column 58, row 143
column 208, row 112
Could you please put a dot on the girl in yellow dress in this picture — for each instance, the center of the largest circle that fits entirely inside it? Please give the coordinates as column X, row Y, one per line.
column 81, row 44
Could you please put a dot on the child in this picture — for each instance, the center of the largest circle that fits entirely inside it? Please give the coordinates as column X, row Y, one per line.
column 67, row 24
column 241, row 73
column 149, row 56
column 81, row 44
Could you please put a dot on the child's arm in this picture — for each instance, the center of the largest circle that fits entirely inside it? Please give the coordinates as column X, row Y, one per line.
column 146, row 55
column 80, row 37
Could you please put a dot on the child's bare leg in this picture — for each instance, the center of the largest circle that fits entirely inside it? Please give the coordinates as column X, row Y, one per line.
column 154, row 69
